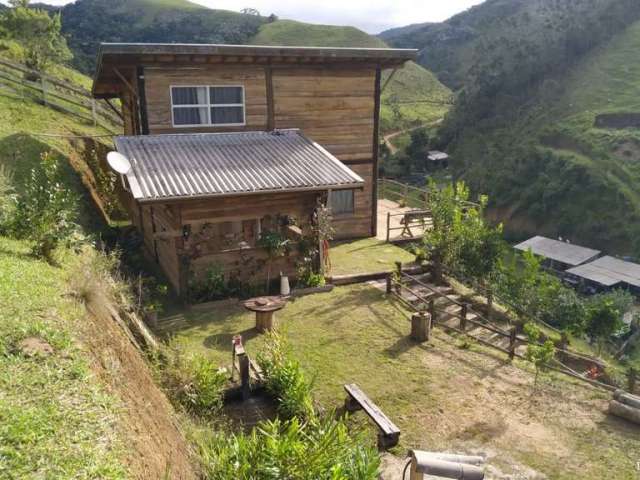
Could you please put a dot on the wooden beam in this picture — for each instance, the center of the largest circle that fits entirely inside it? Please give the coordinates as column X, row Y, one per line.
column 118, row 112
column 388, row 80
column 271, row 121
column 376, row 152
column 126, row 82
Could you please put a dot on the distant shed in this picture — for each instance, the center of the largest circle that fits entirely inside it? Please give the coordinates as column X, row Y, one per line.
column 559, row 255
column 437, row 159
column 608, row 272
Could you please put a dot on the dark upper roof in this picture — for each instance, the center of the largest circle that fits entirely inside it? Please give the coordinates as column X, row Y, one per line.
column 215, row 164
column 609, row 271
column 557, row 250
column 121, row 55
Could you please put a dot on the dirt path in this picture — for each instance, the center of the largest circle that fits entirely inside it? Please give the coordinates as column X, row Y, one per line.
column 390, row 136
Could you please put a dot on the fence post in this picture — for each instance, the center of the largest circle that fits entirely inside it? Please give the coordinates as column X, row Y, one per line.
column 383, row 188
column 94, row 114
column 420, row 327
column 43, row 86
column 432, row 311
column 463, row 317
column 513, row 337
column 388, row 283
column 489, row 303
column 388, row 226
column 633, row 379
column 399, row 274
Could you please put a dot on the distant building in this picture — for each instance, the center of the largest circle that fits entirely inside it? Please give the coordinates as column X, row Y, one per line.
column 437, row 160
column 607, row 273
column 558, row 255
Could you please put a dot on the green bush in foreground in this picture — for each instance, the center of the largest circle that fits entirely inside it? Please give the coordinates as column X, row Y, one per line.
column 195, row 383
column 293, row 449
column 285, row 379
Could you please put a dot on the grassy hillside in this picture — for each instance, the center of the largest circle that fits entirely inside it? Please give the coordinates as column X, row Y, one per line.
column 289, row 32
column 547, row 165
column 511, row 33
column 71, row 380
column 89, row 22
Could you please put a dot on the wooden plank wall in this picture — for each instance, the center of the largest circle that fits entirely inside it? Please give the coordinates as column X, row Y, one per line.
column 158, row 82
column 334, row 107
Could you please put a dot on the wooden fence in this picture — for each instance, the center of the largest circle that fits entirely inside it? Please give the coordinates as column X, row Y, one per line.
column 403, row 194
column 467, row 316
column 58, row 94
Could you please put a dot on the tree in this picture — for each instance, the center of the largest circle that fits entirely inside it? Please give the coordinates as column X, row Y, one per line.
column 417, row 148
column 38, row 33
column 539, row 354
column 604, row 320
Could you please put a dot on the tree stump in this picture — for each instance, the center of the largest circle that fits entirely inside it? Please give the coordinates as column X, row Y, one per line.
column 420, row 327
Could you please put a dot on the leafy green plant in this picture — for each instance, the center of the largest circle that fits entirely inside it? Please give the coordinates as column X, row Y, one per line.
column 8, row 199
column 47, row 211
column 539, row 354
column 275, row 245
column 604, row 319
column 195, row 383
column 293, row 449
column 285, row 379
column 211, row 287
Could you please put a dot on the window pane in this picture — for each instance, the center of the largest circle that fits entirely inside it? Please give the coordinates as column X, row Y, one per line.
column 189, row 95
column 225, row 95
column 190, row 116
column 341, row 202
column 226, row 115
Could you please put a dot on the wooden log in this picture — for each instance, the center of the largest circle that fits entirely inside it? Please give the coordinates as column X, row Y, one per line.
column 420, row 327
column 432, row 312
column 627, row 398
column 633, row 379
column 388, row 284
column 624, row 411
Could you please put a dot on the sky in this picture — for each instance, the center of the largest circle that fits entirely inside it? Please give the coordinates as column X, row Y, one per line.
column 372, row 16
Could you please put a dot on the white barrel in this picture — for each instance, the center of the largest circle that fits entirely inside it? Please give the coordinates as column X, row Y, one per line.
column 285, row 289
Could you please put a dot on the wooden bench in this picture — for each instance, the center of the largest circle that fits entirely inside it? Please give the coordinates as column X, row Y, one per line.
column 413, row 218
column 357, row 400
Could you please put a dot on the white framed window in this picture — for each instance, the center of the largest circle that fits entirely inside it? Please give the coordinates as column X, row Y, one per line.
column 215, row 106
column 342, row 202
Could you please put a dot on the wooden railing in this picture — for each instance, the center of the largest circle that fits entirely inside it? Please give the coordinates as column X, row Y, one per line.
column 399, row 281
column 403, row 194
column 57, row 94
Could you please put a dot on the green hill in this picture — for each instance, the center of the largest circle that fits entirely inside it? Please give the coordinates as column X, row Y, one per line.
column 547, row 165
column 290, row 32
column 514, row 34
column 89, row 22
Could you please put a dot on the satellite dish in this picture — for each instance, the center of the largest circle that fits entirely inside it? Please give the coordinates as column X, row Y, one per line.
column 119, row 162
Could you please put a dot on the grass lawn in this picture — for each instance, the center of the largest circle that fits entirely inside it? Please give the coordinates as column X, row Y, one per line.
column 365, row 256
column 55, row 422
column 444, row 395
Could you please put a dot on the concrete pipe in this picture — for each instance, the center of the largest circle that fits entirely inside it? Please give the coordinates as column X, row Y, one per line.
column 627, row 398
column 453, row 457
column 422, row 465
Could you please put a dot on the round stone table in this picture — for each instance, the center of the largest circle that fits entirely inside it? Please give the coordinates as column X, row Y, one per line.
column 265, row 309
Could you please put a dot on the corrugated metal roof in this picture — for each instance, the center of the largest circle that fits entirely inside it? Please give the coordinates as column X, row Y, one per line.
column 560, row 251
column 436, row 155
column 211, row 164
column 609, row 271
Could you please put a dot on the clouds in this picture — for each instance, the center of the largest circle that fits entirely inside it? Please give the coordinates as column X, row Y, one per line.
column 373, row 16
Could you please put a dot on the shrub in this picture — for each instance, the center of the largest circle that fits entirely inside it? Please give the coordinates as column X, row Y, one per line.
column 293, row 449
column 285, row 379
column 194, row 383
column 47, row 211
column 211, row 287
column 539, row 354
column 7, row 199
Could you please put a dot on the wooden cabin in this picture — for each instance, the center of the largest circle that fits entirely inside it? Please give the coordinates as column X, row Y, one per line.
column 228, row 141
